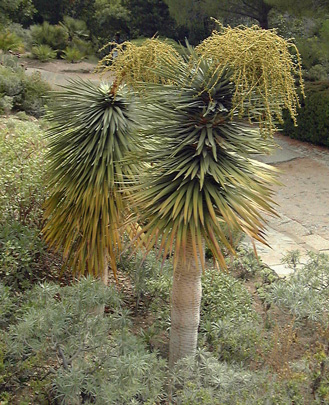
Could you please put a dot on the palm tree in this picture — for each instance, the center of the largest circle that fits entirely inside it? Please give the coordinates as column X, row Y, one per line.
column 92, row 131
column 202, row 177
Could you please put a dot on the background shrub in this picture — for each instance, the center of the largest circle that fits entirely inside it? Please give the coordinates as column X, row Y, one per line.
column 10, row 41
column 55, row 36
column 313, row 116
column 43, row 52
column 22, row 192
column 72, row 54
column 27, row 91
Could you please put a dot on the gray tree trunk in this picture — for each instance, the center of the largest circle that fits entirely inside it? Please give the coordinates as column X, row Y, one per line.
column 99, row 309
column 185, row 307
column 105, row 275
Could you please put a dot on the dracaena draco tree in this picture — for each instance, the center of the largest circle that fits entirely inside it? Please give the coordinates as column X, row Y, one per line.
column 197, row 144
column 203, row 118
column 92, row 129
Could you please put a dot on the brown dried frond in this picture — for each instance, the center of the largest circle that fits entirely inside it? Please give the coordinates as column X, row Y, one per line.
column 135, row 64
column 263, row 69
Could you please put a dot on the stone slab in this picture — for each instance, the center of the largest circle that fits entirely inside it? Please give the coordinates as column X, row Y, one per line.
column 316, row 242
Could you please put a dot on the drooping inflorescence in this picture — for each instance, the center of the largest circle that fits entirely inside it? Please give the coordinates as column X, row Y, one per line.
column 135, row 64
column 264, row 68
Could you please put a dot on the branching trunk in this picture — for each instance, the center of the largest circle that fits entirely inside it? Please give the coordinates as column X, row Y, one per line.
column 185, row 307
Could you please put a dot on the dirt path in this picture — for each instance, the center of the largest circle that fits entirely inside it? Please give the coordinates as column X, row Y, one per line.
column 58, row 72
column 303, row 203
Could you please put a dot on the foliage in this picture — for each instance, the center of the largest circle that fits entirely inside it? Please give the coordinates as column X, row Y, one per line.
column 149, row 17
column 207, row 381
column 89, row 358
column 229, row 324
column 75, row 28
column 33, row 98
column 229, row 328
column 109, row 17
column 305, row 293
column 246, row 265
column 16, row 10
column 43, row 52
column 148, row 277
column 84, row 47
column 72, row 54
column 317, row 73
column 52, row 11
column 6, row 305
column 27, row 92
column 6, row 104
column 312, row 116
column 10, row 41
column 55, row 36
column 22, row 250
column 86, row 168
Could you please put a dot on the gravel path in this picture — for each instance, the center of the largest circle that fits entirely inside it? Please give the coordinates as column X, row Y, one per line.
column 303, row 203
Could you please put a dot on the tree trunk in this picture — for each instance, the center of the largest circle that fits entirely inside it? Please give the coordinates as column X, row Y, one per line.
column 185, row 306
column 100, row 309
column 105, row 275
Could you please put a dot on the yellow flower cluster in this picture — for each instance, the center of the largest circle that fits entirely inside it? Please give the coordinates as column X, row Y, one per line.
column 264, row 69
column 135, row 64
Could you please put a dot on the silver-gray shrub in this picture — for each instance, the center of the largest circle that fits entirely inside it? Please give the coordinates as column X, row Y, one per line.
column 305, row 294
column 90, row 358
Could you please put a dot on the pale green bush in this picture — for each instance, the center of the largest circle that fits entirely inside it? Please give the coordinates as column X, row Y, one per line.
column 72, row 54
column 54, row 36
column 22, row 192
column 43, row 52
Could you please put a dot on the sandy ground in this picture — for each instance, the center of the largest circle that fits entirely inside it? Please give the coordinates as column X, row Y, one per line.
column 58, row 72
column 304, row 196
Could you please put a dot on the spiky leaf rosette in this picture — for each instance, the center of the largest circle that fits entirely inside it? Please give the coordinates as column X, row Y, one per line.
column 202, row 175
column 264, row 69
column 92, row 131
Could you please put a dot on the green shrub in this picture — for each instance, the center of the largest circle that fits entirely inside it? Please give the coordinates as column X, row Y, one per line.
column 11, row 82
column 94, row 359
column 33, row 98
column 6, row 104
column 22, row 192
column 10, row 41
column 229, row 325
column 85, row 47
column 75, row 28
column 316, row 73
column 72, row 55
column 21, row 253
column 54, row 36
column 305, row 294
column 7, row 307
column 11, row 61
column 23, row 33
column 313, row 116
column 43, row 52
column 27, row 91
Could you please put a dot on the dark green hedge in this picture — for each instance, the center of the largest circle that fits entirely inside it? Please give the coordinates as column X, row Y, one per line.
column 313, row 116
